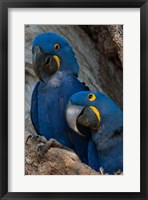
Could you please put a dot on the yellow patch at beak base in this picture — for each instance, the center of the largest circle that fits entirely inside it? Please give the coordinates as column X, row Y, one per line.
column 96, row 112
column 57, row 60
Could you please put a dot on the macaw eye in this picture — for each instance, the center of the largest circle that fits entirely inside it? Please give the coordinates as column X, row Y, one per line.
column 56, row 47
column 91, row 97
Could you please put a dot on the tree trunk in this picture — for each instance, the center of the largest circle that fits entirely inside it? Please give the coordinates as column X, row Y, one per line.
column 99, row 50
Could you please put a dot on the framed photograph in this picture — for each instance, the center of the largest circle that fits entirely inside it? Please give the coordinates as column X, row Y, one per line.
column 73, row 99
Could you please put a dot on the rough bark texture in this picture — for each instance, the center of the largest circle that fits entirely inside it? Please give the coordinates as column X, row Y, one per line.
column 108, row 42
column 117, row 36
column 56, row 161
column 99, row 50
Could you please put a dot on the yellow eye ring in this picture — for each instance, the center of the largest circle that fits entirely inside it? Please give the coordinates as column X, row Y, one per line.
column 56, row 47
column 91, row 97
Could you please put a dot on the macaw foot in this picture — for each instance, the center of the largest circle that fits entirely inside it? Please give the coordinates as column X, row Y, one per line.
column 42, row 149
column 102, row 171
column 37, row 138
column 119, row 172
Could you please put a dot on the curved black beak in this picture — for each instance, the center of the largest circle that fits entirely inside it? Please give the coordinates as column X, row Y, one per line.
column 44, row 63
column 81, row 118
column 89, row 119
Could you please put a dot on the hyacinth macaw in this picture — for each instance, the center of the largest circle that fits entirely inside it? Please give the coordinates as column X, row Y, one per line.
column 96, row 115
column 56, row 67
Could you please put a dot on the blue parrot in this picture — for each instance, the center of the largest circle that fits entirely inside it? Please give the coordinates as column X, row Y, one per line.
column 96, row 115
column 56, row 67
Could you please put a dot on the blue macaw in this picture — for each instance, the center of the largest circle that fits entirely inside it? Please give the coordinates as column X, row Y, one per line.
column 55, row 65
column 96, row 115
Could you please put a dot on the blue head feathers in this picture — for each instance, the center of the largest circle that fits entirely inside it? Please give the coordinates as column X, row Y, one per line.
column 52, row 52
column 96, row 115
column 55, row 65
column 111, row 117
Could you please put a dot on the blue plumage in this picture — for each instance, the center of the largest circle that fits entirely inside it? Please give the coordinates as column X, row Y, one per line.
column 47, row 41
column 55, row 65
column 108, row 132
column 48, row 106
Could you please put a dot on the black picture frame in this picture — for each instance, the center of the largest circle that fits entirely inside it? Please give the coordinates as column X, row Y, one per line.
column 4, row 5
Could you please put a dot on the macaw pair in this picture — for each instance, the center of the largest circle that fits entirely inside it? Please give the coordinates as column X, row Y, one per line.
column 65, row 109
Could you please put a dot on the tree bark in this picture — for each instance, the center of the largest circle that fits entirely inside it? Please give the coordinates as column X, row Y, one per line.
column 56, row 161
column 99, row 51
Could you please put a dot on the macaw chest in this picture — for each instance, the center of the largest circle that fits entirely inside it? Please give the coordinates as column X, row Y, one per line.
column 52, row 100
column 51, row 106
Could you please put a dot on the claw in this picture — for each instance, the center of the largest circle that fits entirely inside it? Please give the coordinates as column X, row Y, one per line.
column 42, row 149
column 29, row 137
column 102, row 171
column 39, row 138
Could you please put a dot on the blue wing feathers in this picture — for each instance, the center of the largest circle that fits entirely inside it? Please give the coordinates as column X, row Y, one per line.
column 34, row 108
column 93, row 157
